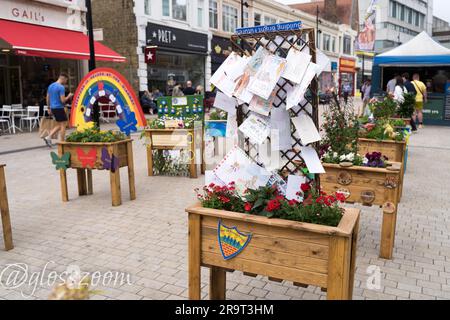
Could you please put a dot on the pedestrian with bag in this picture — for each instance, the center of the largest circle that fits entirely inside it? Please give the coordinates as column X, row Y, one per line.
column 411, row 89
column 421, row 98
column 56, row 100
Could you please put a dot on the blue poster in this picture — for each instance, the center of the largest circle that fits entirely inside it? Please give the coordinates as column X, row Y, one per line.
column 287, row 26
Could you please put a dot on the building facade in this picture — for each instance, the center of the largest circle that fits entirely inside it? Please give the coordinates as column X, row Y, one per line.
column 441, row 31
column 398, row 21
column 24, row 76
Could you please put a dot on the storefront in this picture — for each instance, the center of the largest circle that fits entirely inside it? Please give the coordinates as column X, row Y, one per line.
column 38, row 41
column 429, row 59
column 180, row 56
column 220, row 50
column 347, row 74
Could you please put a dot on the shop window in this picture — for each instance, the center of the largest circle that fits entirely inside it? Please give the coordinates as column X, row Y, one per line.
column 213, row 14
column 257, row 19
column 246, row 19
column 229, row 18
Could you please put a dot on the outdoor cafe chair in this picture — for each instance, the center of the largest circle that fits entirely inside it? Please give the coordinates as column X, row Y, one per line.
column 31, row 116
column 5, row 117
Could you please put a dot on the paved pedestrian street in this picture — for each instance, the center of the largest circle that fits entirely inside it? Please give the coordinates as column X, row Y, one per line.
column 147, row 238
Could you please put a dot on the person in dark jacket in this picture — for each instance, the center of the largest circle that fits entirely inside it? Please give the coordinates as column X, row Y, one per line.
column 189, row 90
column 411, row 89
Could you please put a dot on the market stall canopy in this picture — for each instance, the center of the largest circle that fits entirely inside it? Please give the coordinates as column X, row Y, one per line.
column 40, row 41
column 419, row 51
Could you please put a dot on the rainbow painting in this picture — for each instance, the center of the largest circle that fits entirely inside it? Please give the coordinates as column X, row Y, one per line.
column 107, row 86
column 231, row 241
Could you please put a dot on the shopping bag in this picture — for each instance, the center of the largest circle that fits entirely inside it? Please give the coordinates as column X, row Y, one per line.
column 46, row 125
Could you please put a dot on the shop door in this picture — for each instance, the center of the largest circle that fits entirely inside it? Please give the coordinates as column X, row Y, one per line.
column 10, row 85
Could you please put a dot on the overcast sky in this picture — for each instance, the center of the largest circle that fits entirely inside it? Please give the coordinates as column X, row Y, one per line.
column 441, row 7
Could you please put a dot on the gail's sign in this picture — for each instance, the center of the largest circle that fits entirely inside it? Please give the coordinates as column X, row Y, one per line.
column 64, row 15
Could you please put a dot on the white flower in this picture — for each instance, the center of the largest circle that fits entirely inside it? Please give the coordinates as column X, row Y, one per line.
column 343, row 157
column 365, row 160
column 335, row 155
column 351, row 157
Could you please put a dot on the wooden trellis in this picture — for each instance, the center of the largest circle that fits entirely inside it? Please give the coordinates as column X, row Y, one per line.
column 279, row 43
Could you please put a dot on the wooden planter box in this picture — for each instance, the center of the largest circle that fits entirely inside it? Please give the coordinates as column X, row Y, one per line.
column 369, row 186
column 307, row 254
column 123, row 150
column 4, row 211
column 176, row 139
column 396, row 151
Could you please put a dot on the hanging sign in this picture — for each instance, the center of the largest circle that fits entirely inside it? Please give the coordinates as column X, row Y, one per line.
column 109, row 87
column 150, row 55
column 287, row 26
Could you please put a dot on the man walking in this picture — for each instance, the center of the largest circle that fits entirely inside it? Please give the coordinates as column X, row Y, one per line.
column 365, row 91
column 390, row 87
column 421, row 98
column 56, row 99
column 189, row 90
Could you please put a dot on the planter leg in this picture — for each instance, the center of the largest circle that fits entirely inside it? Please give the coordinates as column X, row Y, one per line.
column 150, row 160
column 130, row 162
column 353, row 259
column 81, row 177
column 4, row 210
column 388, row 233
column 339, row 265
column 217, row 283
column 63, row 178
column 194, row 257
column 90, row 189
column 115, row 180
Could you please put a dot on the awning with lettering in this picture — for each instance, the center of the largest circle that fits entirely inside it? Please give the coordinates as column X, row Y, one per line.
column 40, row 41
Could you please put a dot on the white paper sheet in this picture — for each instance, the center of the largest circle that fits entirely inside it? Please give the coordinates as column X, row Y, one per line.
column 256, row 128
column 224, row 102
column 233, row 67
column 297, row 63
column 265, row 80
column 241, row 92
column 322, row 61
column 312, row 160
column 280, row 133
column 293, row 187
column 210, row 177
column 239, row 168
column 297, row 93
column 232, row 128
column 261, row 106
column 256, row 60
column 306, row 129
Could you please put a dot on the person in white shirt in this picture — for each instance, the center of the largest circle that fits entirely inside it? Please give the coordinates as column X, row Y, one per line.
column 399, row 91
column 390, row 88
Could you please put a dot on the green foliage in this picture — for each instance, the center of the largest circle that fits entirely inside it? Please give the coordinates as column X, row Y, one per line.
column 406, row 109
column 260, row 199
column 384, row 109
column 384, row 130
column 165, row 164
column 95, row 135
column 341, row 128
column 156, row 123
column 218, row 114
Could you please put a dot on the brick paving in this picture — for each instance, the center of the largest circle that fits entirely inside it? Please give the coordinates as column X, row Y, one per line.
column 147, row 238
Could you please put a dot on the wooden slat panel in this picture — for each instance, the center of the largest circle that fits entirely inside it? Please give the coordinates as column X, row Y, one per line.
column 278, row 244
column 288, row 274
column 76, row 163
column 271, row 257
column 274, row 232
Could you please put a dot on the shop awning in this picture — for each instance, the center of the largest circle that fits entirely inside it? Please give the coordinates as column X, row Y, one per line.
column 34, row 40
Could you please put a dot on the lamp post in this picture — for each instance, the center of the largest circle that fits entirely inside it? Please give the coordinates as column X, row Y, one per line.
column 92, row 66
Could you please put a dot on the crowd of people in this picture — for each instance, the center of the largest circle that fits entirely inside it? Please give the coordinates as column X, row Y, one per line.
column 148, row 99
column 397, row 87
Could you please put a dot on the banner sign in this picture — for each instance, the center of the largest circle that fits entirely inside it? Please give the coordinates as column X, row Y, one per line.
column 287, row 26
column 365, row 41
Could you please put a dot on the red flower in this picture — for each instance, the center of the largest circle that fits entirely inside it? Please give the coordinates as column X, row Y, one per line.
column 305, row 187
column 340, row 197
column 224, row 199
column 308, row 201
column 248, row 206
column 293, row 202
column 280, row 197
column 211, row 185
column 273, row 205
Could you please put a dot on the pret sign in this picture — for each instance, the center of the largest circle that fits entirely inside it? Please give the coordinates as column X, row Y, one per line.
column 150, row 55
column 162, row 36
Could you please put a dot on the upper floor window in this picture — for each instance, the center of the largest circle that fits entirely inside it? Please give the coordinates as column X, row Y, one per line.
column 229, row 18
column 246, row 19
column 200, row 5
column 347, row 46
column 177, row 9
column 213, row 22
column 147, row 7
column 269, row 20
column 257, row 19
column 326, row 42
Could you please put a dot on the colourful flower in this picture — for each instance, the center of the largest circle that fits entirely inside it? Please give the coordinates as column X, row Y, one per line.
column 248, row 206
column 305, row 187
column 273, row 205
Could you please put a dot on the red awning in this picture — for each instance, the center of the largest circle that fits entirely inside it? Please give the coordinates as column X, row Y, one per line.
column 33, row 40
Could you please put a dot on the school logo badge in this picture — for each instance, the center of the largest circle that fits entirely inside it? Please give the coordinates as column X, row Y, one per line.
column 231, row 241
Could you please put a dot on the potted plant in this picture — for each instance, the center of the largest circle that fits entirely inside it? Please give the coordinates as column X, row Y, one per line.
column 357, row 177
column 312, row 242
column 92, row 149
